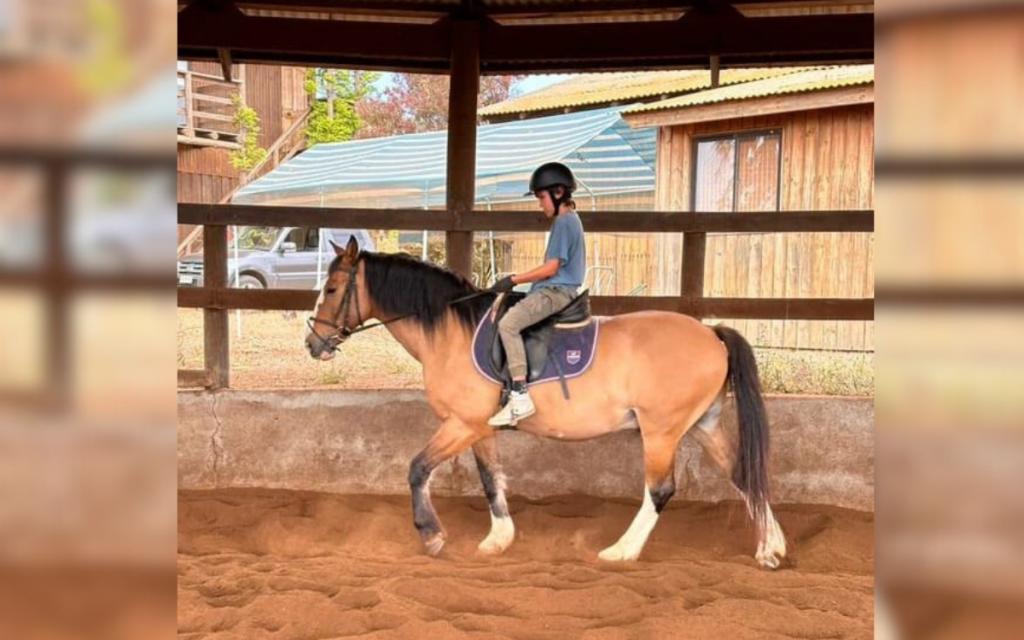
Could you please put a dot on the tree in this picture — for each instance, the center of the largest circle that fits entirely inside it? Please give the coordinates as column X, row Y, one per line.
column 416, row 103
column 333, row 118
column 247, row 121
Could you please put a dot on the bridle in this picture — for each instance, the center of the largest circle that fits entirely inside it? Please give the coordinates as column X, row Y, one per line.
column 342, row 332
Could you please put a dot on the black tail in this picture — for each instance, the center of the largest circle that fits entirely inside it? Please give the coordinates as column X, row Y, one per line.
column 750, row 475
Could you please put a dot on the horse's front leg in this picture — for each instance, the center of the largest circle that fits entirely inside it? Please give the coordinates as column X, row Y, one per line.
column 451, row 439
column 488, row 464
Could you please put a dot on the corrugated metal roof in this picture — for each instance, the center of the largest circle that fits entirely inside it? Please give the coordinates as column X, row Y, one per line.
column 804, row 81
column 611, row 88
column 606, row 155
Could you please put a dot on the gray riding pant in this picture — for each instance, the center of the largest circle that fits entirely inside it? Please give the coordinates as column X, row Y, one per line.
column 538, row 305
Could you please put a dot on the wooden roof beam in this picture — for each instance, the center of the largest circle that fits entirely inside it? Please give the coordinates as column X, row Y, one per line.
column 796, row 39
column 812, row 39
column 203, row 29
column 550, row 7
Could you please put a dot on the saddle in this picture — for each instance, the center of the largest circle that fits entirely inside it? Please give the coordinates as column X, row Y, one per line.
column 559, row 347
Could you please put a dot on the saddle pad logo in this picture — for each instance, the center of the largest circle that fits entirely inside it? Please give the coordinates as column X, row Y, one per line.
column 572, row 356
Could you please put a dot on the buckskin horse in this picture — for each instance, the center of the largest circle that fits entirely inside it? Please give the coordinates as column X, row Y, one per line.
column 663, row 373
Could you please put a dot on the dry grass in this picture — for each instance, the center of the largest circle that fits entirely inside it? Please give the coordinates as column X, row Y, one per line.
column 270, row 354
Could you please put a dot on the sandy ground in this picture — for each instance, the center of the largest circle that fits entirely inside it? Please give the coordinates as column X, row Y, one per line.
column 286, row 565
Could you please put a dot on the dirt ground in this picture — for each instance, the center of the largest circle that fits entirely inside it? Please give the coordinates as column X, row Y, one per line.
column 280, row 565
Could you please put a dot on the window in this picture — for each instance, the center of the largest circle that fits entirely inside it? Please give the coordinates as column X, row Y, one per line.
column 738, row 172
column 305, row 238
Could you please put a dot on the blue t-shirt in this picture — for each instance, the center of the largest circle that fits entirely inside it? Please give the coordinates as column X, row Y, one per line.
column 566, row 244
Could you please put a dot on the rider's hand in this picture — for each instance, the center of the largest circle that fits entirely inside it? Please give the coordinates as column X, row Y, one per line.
column 504, row 285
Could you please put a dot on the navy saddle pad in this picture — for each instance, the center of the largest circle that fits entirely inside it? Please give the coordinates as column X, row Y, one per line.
column 550, row 349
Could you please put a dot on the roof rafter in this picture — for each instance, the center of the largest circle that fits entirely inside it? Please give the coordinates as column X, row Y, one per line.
column 205, row 28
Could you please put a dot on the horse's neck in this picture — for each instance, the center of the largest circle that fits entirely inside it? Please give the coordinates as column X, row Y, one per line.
column 410, row 335
column 430, row 353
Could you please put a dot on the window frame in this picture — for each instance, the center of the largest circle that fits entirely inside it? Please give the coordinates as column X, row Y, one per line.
column 736, row 137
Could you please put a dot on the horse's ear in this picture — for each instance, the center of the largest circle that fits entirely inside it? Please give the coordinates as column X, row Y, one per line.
column 338, row 251
column 352, row 249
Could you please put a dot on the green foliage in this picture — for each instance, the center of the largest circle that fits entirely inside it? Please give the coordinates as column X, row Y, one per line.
column 108, row 67
column 248, row 123
column 481, row 256
column 414, row 103
column 818, row 372
column 333, row 118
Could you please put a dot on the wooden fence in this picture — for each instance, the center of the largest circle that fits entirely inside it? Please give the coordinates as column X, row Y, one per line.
column 216, row 298
column 737, row 265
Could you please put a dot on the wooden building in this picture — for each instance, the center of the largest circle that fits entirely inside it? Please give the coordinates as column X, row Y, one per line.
column 207, row 134
column 799, row 142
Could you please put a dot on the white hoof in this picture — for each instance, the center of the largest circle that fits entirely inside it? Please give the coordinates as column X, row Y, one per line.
column 503, row 532
column 771, row 551
column 770, row 556
column 616, row 553
column 769, row 560
column 492, row 547
column 434, row 544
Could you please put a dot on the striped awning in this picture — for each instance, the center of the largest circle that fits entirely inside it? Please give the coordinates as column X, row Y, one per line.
column 607, row 156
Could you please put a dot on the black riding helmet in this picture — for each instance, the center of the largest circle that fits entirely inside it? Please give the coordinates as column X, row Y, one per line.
column 550, row 175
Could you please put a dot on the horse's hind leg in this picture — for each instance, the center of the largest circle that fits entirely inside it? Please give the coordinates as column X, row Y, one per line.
column 450, row 440
column 659, row 474
column 488, row 464
column 722, row 447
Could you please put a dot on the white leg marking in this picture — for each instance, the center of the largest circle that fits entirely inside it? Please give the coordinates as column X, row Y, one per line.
column 632, row 542
column 771, row 546
column 503, row 531
column 501, row 535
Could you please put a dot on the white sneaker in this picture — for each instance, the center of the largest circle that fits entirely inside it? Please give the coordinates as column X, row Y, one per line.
column 518, row 407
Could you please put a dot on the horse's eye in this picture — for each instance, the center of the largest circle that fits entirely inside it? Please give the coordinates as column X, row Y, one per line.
column 331, row 290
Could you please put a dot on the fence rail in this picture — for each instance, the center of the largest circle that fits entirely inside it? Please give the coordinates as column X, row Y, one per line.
column 216, row 299
column 478, row 220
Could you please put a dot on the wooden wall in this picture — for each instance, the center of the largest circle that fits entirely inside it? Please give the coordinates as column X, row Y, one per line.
column 205, row 174
column 827, row 163
column 630, row 257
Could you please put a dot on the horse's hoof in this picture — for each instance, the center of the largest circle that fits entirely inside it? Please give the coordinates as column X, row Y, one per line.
column 615, row 553
column 434, row 544
column 491, row 547
column 769, row 561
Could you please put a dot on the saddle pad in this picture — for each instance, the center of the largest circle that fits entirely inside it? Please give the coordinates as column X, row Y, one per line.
column 573, row 347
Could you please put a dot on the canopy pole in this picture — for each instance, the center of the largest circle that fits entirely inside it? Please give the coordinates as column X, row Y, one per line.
column 426, row 234
column 461, row 185
column 238, row 281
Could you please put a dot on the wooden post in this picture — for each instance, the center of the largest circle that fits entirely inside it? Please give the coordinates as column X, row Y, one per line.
column 464, row 88
column 190, row 124
column 694, row 246
column 215, row 321
column 716, row 70
column 57, row 307
column 225, row 63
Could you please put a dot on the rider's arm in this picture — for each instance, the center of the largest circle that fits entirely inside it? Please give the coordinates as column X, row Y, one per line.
column 542, row 272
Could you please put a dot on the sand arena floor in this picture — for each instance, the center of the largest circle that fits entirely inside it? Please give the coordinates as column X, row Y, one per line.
column 260, row 564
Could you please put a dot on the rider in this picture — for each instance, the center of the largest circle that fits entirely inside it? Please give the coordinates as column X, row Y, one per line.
column 555, row 282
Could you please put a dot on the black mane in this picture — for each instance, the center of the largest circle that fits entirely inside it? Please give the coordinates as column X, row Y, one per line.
column 400, row 284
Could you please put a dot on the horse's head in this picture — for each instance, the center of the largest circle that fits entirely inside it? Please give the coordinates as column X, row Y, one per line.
column 337, row 309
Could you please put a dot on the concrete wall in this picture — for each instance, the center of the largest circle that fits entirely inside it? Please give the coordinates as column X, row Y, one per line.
column 362, row 442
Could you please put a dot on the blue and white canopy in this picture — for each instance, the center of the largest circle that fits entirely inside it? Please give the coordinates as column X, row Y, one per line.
column 408, row 171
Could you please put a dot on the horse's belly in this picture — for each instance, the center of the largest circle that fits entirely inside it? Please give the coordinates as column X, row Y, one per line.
column 578, row 423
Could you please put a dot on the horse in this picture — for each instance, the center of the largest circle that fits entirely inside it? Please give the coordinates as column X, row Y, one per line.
column 662, row 373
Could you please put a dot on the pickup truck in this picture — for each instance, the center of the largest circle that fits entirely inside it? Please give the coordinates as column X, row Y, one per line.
column 276, row 257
